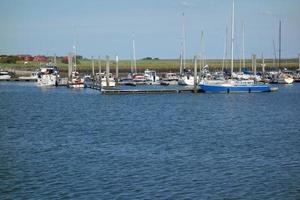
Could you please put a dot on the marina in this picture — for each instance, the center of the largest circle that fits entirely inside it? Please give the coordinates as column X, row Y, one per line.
column 150, row 100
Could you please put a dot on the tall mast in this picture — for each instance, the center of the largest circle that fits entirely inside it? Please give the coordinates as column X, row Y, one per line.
column 183, row 42
column 232, row 37
column 225, row 49
column 133, row 54
column 74, row 51
column 243, row 53
column 299, row 60
column 274, row 48
column 202, row 51
column 279, row 44
column 181, row 64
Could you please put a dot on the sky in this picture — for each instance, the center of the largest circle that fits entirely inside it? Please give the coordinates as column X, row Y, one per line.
column 107, row 27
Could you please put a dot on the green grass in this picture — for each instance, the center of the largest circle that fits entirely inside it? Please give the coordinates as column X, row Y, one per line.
column 165, row 65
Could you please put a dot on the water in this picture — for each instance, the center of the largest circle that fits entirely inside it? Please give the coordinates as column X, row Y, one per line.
column 77, row 144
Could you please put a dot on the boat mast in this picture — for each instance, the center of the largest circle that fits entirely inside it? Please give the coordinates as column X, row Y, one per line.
column 134, row 59
column 279, row 44
column 225, row 49
column 183, row 42
column 274, row 48
column 74, row 51
column 180, row 70
column 243, row 53
column 232, row 38
column 202, row 51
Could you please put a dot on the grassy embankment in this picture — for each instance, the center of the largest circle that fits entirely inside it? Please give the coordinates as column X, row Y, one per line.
column 161, row 66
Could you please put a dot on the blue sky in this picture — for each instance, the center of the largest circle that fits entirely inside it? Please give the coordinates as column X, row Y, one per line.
column 106, row 27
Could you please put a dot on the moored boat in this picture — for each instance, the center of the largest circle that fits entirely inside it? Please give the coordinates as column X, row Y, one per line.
column 232, row 85
column 4, row 75
column 48, row 76
column 75, row 81
column 151, row 77
column 106, row 81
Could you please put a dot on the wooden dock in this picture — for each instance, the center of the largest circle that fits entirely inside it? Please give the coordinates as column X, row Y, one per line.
column 144, row 91
column 20, row 79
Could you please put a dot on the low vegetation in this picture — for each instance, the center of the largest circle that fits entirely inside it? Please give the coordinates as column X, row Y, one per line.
column 160, row 65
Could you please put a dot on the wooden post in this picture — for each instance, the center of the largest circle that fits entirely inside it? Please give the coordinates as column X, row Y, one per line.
column 70, row 65
column 263, row 64
column 54, row 60
column 99, row 67
column 107, row 71
column 254, row 65
column 195, row 74
column 117, row 70
column 180, row 69
column 93, row 67
column 99, row 64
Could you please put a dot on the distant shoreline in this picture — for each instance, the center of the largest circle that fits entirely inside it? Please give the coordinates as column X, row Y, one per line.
column 161, row 66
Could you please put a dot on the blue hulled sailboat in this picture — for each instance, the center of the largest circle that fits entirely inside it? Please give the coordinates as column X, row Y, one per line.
column 232, row 85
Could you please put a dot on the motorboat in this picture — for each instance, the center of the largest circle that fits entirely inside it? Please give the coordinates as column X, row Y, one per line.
column 151, row 77
column 48, row 76
column 75, row 81
column 106, row 81
column 4, row 75
column 169, row 79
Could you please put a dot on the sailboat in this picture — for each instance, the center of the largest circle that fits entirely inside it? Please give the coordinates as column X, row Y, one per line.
column 232, row 85
column 186, row 76
column 73, row 75
column 281, row 77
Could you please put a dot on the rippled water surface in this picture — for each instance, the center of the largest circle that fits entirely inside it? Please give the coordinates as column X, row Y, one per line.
column 78, row 144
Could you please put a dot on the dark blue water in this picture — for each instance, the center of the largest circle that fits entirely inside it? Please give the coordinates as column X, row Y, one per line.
column 78, row 144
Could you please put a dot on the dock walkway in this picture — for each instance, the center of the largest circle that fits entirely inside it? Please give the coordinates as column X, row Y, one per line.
column 145, row 91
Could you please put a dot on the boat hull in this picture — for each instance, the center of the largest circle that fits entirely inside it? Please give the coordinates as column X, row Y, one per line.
column 234, row 89
column 286, row 81
column 76, row 85
column 47, row 80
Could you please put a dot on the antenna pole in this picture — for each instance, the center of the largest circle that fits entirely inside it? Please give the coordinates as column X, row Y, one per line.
column 279, row 44
column 232, row 38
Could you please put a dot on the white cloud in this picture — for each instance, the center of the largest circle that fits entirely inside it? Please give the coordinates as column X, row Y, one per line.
column 184, row 3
